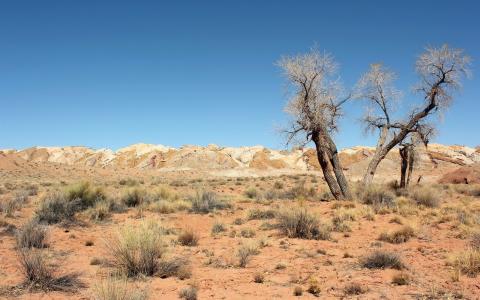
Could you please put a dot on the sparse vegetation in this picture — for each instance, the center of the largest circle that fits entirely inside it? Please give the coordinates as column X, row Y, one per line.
column 244, row 253
column 32, row 235
column 258, row 214
column 188, row 293
column 398, row 236
column 205, row 202
column 468, row 262
column 112, row 288
column 426, row 196
column 382, row 260
column 299, row 223
column 188, row 238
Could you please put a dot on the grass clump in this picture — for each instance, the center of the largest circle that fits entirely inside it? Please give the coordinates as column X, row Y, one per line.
column 244, row 253
column 259, row 214
column 32, row 235
column 382, row 260
column 251, row 193
column 188, row 293
column 206, row 202
column 87, row 194
column 258, row 277
column 137, row 250
column 176, row 266
column 134, row 197
column 218, row 228
column 468, row 262
column 39, row 275
column 399, row 236
column 354, row 289
column 298, row 291
column 57, row 207
column 188, row 238
column 112, row 288
column 380, row 197
column 299, row 223
column 426, row 196
column 401, row 278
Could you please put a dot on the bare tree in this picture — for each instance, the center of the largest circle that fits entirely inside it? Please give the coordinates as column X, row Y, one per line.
column 315, row 107
column 440, row 71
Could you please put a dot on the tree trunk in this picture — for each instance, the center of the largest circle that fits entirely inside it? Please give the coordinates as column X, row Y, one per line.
column 323, row 161
column 404, row 164
column 411, row 162
column 337, row 168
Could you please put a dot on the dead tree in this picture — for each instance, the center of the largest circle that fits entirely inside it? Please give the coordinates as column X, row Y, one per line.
column 440, row 71
column 315, row 106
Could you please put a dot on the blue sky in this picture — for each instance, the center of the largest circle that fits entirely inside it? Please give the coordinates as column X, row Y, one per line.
column 113, row 73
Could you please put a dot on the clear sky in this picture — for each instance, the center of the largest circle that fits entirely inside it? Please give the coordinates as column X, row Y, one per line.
column 113, row 73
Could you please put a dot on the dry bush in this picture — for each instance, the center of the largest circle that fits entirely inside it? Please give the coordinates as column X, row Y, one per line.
column 38, row 274
column 87, row 194
column 245, row 251
column 258, row 277
column 188, row 293
column 9, row 206
column 299, row 223
column 475, row 240
column 468, row 262
column 101, row 211
column 314, row 287
column 134, row 197
column 354, row 289
column 401, row 278
column 188, row 238
column 298, row 291
column 382, row 260
column 399, row 236
column 32, row 235
column 56, row 207
column 137, row 250
column 247, row 233
column 217, row 228
column 112, row 288
column 299, row 191
column 251, row 193
column 169, row 206
column 278, row 185
column 426, row 196
column 379, row 196
column 176, row 266
column 468, row 189
column 259, row 214
column 206, row 202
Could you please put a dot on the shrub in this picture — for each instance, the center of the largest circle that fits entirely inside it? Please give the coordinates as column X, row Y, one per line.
column 251, row 193
column 188, row 293
column 401, row 278
column 134, row 197
column 117, row 289
column 314, row 287
column 101, row 211
column 32, row 235
column 468, row 262
column 258, row 278
column 377, row 196
column 426, row 196
column 278, row 185
column 57, row 207
column 205, row 202
column 299, row 192
column 176, row 266
column 382, row 260
column 247, row 233
column 298, row 291
column 299, row 223
column 137, row 250
column 475, row 240
column 258, row 214
column 188, row 238
column 354, row 289
column 217, row 228
column 40, row 275
column 399, row 236
column 245, row 251
column 87, row 194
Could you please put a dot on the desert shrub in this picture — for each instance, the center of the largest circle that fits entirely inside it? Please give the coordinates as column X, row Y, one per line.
column 176, row 266
column 401, row 278
column 56, row 207
column 258, row 277
column 426, row 196
column 251, row 193
column 38, row 274
column 398, row 236
column 378, row 196
column 468, row 262
column 244, row 253
column 101, row 211
column 258, row 214
column 299, row 223
column 32, row 235
column 188, row 238
column 299, row 191
column 354, row 289
column 205, row 202
column 278, row 185
column 217, row 228
column 298, row 291
column 188, row 293
column 112, row 288
column 9, row 206
column 87, row 194
column 238, row 221
column 128, row 182
column 475, row 240
column 134, row 197
column 382, row 260
column 247, row 233
column 137, row 250
column 314, row 287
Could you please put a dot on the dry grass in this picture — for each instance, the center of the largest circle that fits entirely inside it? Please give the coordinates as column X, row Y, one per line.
column 137, row 250
column 188, row 293
column 245, row 251
column 188, row 237
column 468, row 262
column 112, row 288
column 299, row 223
column 259, row 214
column 401, row 235
column 401, row 278
column 39, row 275
column 426, row 196
column 206, row 202
column 32, row 235
column 382, row 260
